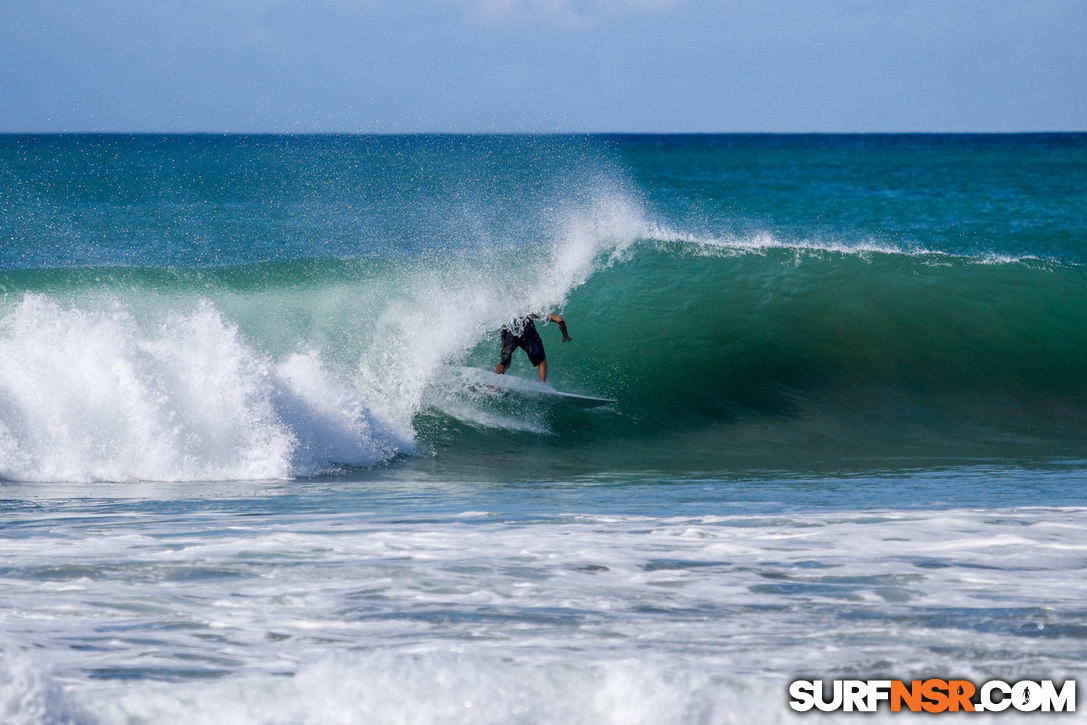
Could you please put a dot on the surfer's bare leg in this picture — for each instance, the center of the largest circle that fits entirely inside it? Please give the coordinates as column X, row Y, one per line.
column 500, row 369
column 542, row 370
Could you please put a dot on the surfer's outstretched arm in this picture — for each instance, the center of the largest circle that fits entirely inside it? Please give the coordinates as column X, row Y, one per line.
column 562, row 325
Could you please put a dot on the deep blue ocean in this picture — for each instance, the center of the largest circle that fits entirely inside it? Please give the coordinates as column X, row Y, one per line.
column 242, row 479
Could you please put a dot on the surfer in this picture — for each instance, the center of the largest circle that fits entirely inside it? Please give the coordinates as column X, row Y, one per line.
column 521, row 333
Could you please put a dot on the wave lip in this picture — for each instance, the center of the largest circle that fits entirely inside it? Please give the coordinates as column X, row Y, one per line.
column 89, row 396
column 765, row 242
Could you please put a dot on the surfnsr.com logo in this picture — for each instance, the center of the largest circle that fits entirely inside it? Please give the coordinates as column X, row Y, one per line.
column 933, row 696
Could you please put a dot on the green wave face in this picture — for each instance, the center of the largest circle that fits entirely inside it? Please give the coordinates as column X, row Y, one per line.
column 744, row 324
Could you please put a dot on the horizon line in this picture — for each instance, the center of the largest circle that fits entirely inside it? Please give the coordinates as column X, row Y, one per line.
column 536, row 133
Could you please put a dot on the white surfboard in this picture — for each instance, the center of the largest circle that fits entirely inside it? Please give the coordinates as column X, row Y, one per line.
column 509, row 386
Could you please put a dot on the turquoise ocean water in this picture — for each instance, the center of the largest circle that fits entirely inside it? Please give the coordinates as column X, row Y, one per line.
column 241, row 479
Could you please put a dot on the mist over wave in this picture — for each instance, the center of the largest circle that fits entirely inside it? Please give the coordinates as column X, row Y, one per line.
column 273, row 370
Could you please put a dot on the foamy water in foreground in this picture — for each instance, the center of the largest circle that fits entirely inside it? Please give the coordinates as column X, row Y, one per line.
column 549, row 603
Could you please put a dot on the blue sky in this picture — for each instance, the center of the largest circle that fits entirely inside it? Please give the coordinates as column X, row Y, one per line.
column 392, row 66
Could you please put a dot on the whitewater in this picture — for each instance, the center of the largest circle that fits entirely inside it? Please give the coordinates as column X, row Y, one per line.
column 242, row 480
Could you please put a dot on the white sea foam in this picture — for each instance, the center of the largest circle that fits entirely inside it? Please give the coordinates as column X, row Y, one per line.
column 353, row 617
column 450, row 686
column 28, row 694
column 91, row 395
column 447, row 687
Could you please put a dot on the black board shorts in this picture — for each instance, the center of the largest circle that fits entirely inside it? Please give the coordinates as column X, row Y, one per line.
column 529, row 341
